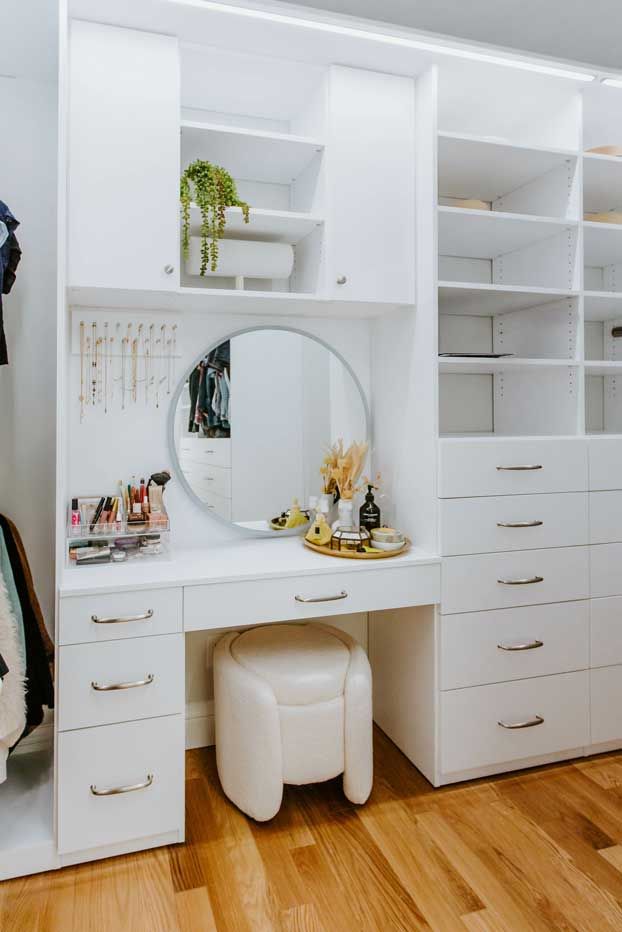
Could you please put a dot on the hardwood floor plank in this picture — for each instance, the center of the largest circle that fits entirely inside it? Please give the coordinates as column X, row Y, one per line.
column 485, row 920
column 301, row 919
column 194, row 911
column 613, row 856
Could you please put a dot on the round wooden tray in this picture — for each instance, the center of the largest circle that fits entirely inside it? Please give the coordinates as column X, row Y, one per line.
column 352, row 555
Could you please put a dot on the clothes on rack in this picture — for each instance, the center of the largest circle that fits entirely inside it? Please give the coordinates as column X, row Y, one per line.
column 209, row 387
column 13, row 693
column 10, row 254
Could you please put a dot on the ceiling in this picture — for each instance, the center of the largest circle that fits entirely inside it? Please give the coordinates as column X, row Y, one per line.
column 572, row 29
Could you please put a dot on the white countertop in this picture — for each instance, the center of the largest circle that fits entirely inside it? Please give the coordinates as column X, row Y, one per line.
column 230, row 562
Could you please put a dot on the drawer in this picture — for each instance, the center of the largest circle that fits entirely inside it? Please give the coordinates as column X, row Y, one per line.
column 216, row 503
column 119, row 756
column 606, row 628
column 226, row 605
column 205, row 478
column 605, row 517
column 514, row 644
column 472, row 584
column 605, row 704
column 472, row 525
column 216, row 452
column 472, row 736
column 151, row 670
column 605, row 570
column 605, row 463
column 124, row 615
column 469, row 468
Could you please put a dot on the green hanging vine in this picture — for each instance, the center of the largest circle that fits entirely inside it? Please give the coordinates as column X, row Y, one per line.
column 214, row 191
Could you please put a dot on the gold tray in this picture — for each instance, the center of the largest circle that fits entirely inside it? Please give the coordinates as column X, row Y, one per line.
column 352, row 555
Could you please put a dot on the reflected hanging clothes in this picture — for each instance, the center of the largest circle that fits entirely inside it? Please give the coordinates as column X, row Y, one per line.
column 12, row 679
column 10, row 255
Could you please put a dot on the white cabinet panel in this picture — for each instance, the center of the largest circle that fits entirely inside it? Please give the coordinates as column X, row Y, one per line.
column 474, row 583
column 108, row 616
column 605, row 517
column 124, row 158
column 483, row 525
column 606, row 702
column 605, row 456
column 370, row 157
column 206, row 451
column 606, row 631
column 482, row 467
column 472, row 736
column 514, row 643
column 605, row 570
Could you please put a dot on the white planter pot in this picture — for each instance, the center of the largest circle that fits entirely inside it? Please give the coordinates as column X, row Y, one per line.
column 244, row 258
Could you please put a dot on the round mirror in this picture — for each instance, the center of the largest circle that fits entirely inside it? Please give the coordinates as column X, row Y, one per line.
column 253, row 419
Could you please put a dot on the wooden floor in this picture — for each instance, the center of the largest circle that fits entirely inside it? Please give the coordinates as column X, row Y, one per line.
column 537, row 850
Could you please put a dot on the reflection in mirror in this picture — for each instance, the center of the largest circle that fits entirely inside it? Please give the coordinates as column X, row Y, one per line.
column 254, row 418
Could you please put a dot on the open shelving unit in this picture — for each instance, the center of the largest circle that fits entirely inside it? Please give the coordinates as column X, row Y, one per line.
column 264, row 225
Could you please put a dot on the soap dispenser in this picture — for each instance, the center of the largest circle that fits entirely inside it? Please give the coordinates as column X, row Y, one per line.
column 369, row 513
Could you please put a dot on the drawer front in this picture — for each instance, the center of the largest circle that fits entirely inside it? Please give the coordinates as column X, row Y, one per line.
column 482, row 525
column 606, row 628
column 514, row 643
column 117, row 756
column 469, row 468
column 605, row 463
column 120, row 615
column 209, row 479
column 605, row 517
column 215, row 452
column 230, row 604
column 471, row 736
column 151, row 670
column 216, row 503
column 472, row 584
column 605, row 570
column 605, row 703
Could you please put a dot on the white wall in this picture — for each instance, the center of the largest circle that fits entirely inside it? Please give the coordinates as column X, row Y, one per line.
column 28, row 383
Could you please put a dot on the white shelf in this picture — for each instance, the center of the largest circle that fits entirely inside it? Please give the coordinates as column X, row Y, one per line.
column 273, row 226
column 602, row 182
column 603, row 367
column 27, row 806
column 602, row 243
column 466, row 365
column 602, row 305
column 476, row 167
column 249, row 154
column 485, row 234
column 484, row 300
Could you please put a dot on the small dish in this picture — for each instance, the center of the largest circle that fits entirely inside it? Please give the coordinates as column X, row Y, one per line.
column 388, row 546
column 387, row 535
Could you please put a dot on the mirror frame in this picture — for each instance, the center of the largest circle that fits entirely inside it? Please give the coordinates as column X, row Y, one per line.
column 179, row 476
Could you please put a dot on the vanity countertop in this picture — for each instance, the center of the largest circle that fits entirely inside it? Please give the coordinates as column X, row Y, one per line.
column 236, row 561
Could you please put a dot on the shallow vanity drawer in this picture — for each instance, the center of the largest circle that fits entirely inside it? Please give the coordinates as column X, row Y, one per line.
column 119, row 615
column 513, row 522
column 229, row 604
column 605, row 570
column 208, row 479
column 605, row 517
column 220, row 505
column 119, row 681
column 514, row 643
column 605, row 704
column 469, row 468
column 553, row 709
column 605, row 459
column 606, row 631
column 138, row 769
column 216, row 452
column 503, row 580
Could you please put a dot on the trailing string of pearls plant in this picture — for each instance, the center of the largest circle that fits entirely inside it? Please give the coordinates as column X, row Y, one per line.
column 121, row 365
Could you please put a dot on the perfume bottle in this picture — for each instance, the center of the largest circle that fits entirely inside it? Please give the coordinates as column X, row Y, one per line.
column 369, row 514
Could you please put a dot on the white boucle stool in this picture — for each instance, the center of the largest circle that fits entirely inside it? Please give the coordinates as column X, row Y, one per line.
column 292, row 705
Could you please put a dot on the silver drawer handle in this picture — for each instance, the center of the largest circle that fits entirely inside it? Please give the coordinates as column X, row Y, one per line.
column 521, row 582
column 117, row 790
column 132, row 685
column 122, row 620
column 526, row 645
column 524, row 468
column 322, row 598
column 530, row 723
column 520, row 523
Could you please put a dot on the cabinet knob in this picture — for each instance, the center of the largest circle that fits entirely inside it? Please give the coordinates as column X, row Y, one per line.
column 342, row 280
column 169, row 269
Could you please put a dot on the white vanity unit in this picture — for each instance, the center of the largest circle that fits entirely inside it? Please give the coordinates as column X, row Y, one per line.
column 433, row 197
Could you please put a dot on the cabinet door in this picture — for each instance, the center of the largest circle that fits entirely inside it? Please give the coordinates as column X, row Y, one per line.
column 370, row 194
column 123, row 158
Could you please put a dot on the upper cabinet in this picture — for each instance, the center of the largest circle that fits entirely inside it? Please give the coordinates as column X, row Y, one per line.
column 123, row 158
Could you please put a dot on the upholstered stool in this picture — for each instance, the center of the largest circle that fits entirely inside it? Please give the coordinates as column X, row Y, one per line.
column 293, row 705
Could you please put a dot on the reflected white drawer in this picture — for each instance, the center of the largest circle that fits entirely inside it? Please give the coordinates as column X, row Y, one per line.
column 605, row 463
column 120, row 681
column 605, row 517
column 514, row 643
column 93, row 761
column 245, row 603
column 606, row 703
column 469, row 468
column 525, row 577
column 513, row 522
column 208, row 479
column 216, row 452
column 606, row 628
column 105, row 617
column 556, row 708
column 216, row 503
column 605, row 570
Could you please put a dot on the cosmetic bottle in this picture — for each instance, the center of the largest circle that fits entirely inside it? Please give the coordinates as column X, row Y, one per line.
column 369, row 513
column 75, row 512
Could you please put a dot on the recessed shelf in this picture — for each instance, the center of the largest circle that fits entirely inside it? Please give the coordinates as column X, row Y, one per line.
column 485, row 234
column 274, row 226
column 486, row 300
column 27, row 802
column 602, row 305
column 469, row 366
column 277, row 158
column 602, row 182
column 603, row 367
column 477, row 167
column 602, row 243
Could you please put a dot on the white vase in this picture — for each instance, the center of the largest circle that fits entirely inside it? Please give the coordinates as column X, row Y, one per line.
column 345, row 514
